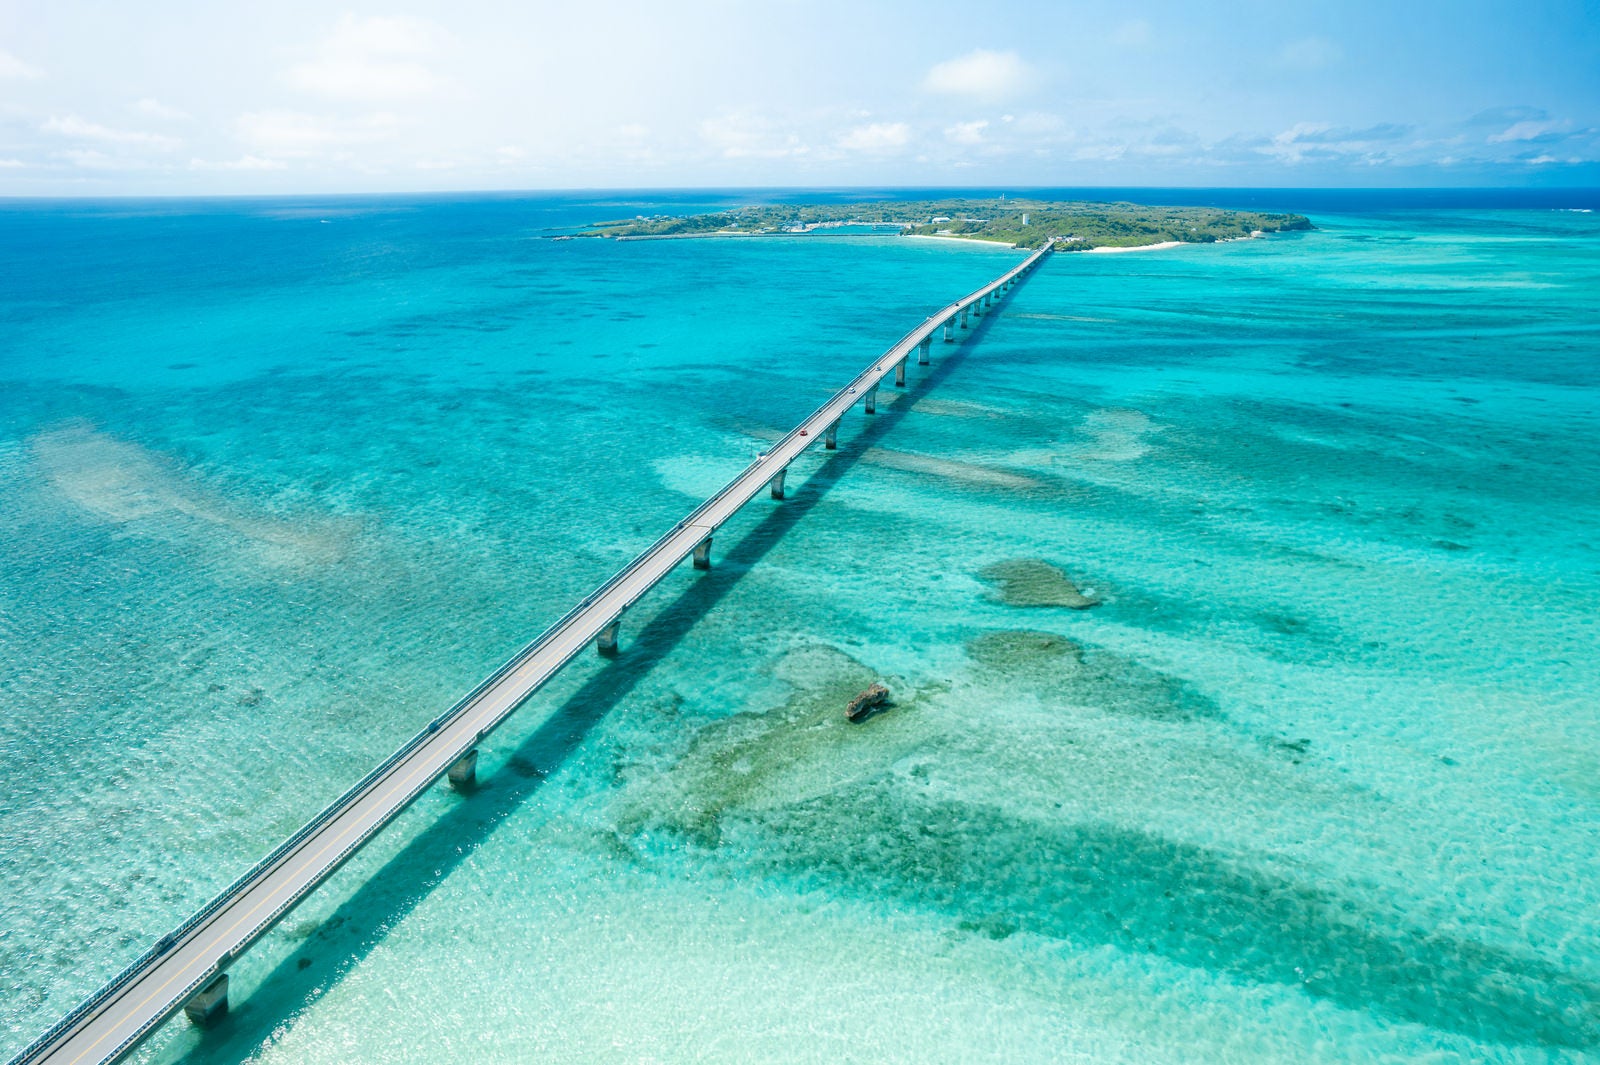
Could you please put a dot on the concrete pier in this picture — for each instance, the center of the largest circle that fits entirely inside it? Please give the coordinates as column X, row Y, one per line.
column 210, row 1004
column 464, row 773
column 777, row 483
column 963, row 317
column 830, row 440
column 949, row 330
column 702, row 554
column 900, row 374
column 922, row 351
column 606, row 641
column 872, row 400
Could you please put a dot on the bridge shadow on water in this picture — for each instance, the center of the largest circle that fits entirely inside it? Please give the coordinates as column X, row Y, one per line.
column 390, row 894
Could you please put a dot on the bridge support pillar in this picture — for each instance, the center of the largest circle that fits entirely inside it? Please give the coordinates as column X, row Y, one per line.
column 830, row 440
column 963, row 317
column 872, row 400
column 900, row 374
column 464, row 773
column 777, row 483
column 606, row 642
column 949, row 329
column 210, row 1003
column 922, row 348
column 702, row 554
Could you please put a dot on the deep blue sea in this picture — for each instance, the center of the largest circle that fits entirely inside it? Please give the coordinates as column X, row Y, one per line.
column 1316, row 780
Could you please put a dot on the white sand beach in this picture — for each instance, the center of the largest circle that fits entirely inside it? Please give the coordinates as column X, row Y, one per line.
column 1142, row 247
column 1006, row 245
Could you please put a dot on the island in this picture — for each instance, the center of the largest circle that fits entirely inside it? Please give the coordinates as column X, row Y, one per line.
column 1021, row 223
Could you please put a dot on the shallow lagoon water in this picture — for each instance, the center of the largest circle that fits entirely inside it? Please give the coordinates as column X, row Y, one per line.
column 1315, row 779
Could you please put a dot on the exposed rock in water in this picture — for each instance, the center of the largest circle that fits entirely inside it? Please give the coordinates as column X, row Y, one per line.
column 862, row 706
column 1033, row 582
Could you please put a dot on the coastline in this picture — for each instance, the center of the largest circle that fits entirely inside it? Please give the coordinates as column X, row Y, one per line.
column 1100, row 250
column 982, row 241
column 1255, row 235
column 969, row 241
column 1138, row 247
column 674, row 236
column 1077, row 226
column 962, row 240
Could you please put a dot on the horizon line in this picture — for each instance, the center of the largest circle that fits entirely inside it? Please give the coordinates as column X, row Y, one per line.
column 1546, row 190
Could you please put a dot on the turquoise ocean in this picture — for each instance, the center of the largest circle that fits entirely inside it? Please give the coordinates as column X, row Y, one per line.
column 1316, row 780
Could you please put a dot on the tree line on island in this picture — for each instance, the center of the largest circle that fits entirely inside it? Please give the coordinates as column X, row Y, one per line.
column 1076, row 226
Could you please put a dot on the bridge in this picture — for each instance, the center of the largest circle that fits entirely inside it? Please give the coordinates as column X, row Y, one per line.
column 187, row 968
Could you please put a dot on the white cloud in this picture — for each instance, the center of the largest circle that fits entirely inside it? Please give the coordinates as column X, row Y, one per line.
column 12, row 67
column 1310, row 53
column 1301, row 131
column 370, row 59
column 980, row 75
column 1322, row 142
column 287, row 133
column 82, row 129
column 1099, row 153
column 89, row 159
column 1527, row 130
column 277, row 134
column 967, row 132
column 742, row 135
column 1039, row 124
column 12, row 164
column 157, row 109
column 244, row 162
column 876, row 137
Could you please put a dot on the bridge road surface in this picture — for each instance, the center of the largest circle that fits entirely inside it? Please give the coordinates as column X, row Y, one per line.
column 116, row 1018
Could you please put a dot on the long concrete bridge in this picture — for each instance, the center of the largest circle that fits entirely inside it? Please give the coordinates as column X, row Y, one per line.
column 187, row 968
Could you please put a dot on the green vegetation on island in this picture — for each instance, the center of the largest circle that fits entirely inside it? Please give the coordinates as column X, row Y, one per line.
column 1076, row 226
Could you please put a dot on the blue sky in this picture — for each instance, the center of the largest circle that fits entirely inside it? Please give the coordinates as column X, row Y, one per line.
column 295, row 96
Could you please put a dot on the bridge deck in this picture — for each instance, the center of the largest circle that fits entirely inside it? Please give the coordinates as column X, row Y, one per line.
column 122, row 1013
